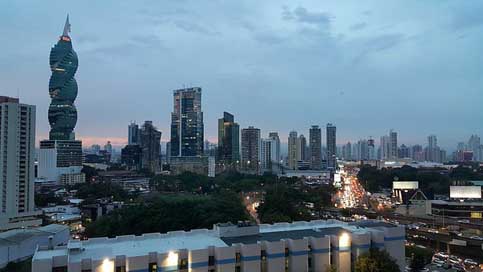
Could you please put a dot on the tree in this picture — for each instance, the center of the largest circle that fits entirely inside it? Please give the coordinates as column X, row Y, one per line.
column 419, row 257
column 283, row 204
column 376, row 261
column 90, row 172
column 169, row 213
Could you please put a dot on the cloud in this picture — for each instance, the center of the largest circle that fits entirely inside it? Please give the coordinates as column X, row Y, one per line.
column 377, row 44
column 467, row 17
column 268, row 38
column 194, row 27
column 358, row 26
column 302, row 15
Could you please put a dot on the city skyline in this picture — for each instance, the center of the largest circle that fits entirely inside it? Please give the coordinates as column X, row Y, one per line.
column 265, row 92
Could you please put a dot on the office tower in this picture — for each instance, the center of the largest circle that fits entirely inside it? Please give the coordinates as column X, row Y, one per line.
column 150, row 147
column 250, row 149
column 393, row 147
column 228, row 140
column 131, row 157
column 133, row 137
column 187, row 123
column 60, row 157
column 347, row 151
column 315, row 144
column 275, row 148
column 301, row 148
column 17, row 151
column 292, row 150
column 331, row 146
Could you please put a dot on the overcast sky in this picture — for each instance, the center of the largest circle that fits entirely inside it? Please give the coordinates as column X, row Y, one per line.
column 366, row 66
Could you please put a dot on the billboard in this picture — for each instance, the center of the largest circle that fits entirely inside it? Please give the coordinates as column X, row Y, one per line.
column 465, row 191
column 405, row 185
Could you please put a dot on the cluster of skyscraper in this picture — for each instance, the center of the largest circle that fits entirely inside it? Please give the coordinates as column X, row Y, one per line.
column 303, row 157
column 389, row 150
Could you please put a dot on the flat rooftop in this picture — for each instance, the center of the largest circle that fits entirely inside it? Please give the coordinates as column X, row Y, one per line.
column 279, row 235
column 130, row 245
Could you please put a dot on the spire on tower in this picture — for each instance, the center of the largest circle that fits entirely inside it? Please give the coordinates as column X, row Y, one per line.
column 66, row 27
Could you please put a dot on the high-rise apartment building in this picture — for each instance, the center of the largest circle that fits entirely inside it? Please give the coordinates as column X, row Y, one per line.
column 187, row 123
column 331, row 146
column 17, row 151
column 292, row 150
column 315, row 144
column 133, row 137
column 384, row 148
column 301, row 148
column 270, row 153
column 250, row 149
column 266, row 155
column 275, row 147
column 347, row 151
column 403, row 152
column 60, row 157
column 393, row 147
column 228, row 140
column 371, row 149
column 474, row 144
column 416, row 153
column 150, row 147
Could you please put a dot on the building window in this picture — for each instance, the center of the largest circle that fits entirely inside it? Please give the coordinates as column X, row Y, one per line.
column 287, row 252
column 309, row 262
column 237, row 269
column 121, row 268
column 183, row 264
column 153, row 267
column 264, row 255
column 238, row 257
column 59, row 269
column 211, row 260
column 86, row 270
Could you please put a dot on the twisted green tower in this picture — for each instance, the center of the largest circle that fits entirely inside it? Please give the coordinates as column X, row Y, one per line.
column 63, row 88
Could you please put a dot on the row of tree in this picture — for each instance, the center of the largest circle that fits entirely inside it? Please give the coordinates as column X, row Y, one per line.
column 163, row 213
column 436, row 181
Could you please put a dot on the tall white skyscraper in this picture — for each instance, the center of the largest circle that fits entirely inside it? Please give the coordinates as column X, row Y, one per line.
column 17, row 150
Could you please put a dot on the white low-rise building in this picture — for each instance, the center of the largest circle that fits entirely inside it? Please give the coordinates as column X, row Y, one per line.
column 296, row 247
column 19, row 244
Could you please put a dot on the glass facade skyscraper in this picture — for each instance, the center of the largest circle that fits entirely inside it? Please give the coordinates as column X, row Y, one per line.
column 187, row 123
column 63, row 88
column 60, row 157
column 228, row 139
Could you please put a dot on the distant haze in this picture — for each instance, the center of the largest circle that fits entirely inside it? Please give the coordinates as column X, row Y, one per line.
column 366, row 66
